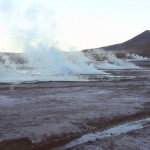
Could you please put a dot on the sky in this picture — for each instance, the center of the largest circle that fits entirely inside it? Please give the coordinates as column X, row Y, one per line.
column 71, row 24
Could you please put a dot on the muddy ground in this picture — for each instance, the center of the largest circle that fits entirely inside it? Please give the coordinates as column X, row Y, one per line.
column 46, row 115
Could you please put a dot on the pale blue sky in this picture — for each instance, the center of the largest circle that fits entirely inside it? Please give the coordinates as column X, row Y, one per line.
column 81, row 24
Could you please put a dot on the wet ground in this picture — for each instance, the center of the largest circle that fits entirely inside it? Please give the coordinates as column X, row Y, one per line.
column 135, row 140
column 94, row 140
column 47, row 115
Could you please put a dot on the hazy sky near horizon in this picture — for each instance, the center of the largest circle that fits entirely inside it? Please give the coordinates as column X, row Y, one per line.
column 76, row 24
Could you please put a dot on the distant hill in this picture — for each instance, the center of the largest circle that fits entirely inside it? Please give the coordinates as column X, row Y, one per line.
column 12, row 57
column 140, row 44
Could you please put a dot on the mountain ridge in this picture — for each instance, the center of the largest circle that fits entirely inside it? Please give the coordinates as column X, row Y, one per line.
column 139, row 44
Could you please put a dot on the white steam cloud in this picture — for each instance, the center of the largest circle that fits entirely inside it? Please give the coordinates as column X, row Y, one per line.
column 29, row 24
column 29, row 27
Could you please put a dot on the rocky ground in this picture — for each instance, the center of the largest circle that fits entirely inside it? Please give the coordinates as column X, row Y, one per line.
column 42, row 116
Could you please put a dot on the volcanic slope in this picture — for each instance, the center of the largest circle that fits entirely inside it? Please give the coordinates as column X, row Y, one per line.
column 139, row 44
